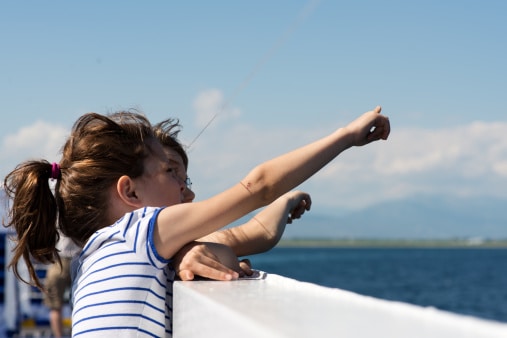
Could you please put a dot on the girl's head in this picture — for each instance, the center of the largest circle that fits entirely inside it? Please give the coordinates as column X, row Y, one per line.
column 99, row 153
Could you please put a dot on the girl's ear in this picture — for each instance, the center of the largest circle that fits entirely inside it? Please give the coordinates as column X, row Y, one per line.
column 126, row 190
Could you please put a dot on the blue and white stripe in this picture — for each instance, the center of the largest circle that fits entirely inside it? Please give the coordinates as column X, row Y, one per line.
column 122, row 286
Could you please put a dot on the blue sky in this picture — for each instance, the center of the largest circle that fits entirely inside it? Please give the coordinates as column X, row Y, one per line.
column 276, row 74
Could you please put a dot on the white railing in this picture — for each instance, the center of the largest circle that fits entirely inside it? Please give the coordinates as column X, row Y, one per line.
column 274, row 306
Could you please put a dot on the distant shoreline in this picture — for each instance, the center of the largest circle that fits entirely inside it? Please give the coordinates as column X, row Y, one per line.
column 395, row 243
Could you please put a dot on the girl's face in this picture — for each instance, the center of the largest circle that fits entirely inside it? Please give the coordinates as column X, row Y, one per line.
column 160, row 185
column 181, row 171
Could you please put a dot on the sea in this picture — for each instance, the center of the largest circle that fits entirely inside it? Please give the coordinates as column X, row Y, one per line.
column 469, row 281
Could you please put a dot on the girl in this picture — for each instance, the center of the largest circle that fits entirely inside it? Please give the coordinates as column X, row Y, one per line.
column 119, row 197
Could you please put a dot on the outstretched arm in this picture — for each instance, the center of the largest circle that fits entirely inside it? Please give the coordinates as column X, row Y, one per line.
column 183, row 223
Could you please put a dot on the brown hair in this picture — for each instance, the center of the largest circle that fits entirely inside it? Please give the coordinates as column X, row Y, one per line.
column 99, row 150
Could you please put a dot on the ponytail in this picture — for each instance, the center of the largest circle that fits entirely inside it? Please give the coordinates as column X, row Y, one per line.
column 33, row 214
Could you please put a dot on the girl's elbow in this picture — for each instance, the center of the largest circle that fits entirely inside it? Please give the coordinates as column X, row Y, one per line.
column 258, row 184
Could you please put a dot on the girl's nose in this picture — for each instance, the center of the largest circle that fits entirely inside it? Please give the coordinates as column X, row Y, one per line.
column 188, row 195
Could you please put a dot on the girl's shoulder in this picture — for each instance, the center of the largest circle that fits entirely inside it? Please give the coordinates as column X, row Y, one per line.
column 134, row 225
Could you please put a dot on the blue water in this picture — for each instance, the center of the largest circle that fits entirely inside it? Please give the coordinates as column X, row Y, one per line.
column 466, row 281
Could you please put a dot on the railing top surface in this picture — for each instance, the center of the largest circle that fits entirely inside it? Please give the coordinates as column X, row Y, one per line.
column 276, row 306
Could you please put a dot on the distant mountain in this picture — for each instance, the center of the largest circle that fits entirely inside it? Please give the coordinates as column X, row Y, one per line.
column 426, row 217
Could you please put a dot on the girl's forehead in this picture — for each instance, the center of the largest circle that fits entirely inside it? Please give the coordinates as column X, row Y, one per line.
column 173, row 156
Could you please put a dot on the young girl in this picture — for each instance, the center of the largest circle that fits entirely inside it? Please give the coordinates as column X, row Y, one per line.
column 119, row 197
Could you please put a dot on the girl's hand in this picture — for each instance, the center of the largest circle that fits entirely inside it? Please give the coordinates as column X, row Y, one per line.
column 208, row 260
column 299, row 202
column 369, row 127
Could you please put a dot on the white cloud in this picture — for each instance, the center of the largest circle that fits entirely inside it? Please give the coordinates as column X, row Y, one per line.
column 211, row 105
column 501, row 168
column 468, row 151
column 40, row 140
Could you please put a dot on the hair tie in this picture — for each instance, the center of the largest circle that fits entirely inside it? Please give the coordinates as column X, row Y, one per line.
column 55, row 171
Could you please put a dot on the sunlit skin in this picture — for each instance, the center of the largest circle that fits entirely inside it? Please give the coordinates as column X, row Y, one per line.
column 184, row 222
